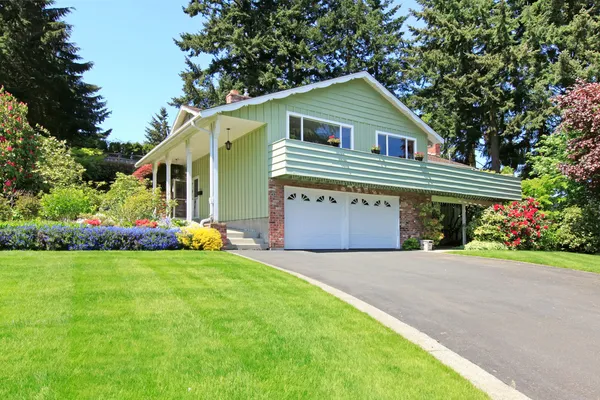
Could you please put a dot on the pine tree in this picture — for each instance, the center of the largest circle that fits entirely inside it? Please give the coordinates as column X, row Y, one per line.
column 41, row 67
column 267, row 46
column 158, row 128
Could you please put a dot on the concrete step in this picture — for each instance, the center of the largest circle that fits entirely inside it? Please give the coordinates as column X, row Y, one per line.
column 245, row 241
column 235, row 234
column 247, row 247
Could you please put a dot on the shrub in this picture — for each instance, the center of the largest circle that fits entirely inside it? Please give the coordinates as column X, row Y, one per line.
column 143, row 172
column 27, row 207
column 579, row 229
column 146, row 223
column 56, row 166
column 519, row 225
column 5, row 209
column 478, row 245
column 129, row 200
column 141, row 205
column 411, row 244
column 199, row 238
column 86, row 238
column 66, row 203
column 431, row 217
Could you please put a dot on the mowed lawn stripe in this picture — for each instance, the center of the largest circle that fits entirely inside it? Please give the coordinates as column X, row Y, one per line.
column 204, row 325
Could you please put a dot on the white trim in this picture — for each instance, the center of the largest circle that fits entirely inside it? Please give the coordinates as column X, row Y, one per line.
column 388, row 134
column 189, row 207
column 317, row 119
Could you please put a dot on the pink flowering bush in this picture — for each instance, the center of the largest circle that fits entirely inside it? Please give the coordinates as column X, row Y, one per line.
column 18, row 145
column 518, row 225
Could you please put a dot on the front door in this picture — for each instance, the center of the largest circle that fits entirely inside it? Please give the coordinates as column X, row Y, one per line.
column 196, row 195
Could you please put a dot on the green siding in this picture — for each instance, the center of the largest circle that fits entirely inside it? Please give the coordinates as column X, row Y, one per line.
column 355, row 103
column 243, row 178
column 312, row 161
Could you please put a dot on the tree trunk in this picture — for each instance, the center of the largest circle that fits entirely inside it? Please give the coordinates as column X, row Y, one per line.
column 494, row 143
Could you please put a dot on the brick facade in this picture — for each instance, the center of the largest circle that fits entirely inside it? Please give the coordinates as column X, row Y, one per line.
column 410, row 224
column 222, row 228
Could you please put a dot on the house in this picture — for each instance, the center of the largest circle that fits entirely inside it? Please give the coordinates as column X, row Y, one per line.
column 264, row 164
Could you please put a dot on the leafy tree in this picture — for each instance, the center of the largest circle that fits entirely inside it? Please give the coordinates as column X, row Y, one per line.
column 56, row 167
column 18, row 146
column 581, row 122
column 267, row 46
column 158, row 129
column 41, row 67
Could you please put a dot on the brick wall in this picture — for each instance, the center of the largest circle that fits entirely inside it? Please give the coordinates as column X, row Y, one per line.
column 410, row 224
column 222, row 228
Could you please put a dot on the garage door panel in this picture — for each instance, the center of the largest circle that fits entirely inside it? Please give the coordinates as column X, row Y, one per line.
column 373, row 222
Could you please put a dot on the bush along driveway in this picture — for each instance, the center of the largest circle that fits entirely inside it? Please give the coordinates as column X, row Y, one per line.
column 168, row 325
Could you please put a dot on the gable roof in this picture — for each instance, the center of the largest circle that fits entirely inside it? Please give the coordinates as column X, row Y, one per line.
column 433, row 136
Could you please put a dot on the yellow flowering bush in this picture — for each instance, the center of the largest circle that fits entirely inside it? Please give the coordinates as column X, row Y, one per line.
column 200, row 238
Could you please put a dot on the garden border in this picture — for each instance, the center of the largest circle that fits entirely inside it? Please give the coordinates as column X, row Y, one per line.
column 480, row 378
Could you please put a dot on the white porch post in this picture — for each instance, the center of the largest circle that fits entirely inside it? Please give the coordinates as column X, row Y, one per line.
column 188, row 182
column 154, row 175
column 213, row 198
column 464, row 223
column 168, row 180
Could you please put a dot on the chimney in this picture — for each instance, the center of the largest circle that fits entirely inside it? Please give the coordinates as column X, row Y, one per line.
column 434, row 150
column 234, row 96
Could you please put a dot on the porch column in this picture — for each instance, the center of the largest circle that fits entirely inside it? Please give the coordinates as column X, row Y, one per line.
column 154, row 175
column 168, row 180
column 463, row 216
column 189, row 206
column 213, row 199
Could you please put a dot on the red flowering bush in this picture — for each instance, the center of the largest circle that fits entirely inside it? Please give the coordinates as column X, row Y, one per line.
column 143, row 172
column 519, row 225
column 18, row 145
column 146, row 223
column 92, row 222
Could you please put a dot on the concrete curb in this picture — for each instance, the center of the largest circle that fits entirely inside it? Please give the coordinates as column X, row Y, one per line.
column 483, row 380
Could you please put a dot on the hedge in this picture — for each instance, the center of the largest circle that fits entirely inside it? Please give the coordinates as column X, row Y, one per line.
column 87, row 238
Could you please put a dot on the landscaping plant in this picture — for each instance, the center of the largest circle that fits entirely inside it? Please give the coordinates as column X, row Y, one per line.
column 411, row 244
column 27, row 206
column 66, row 203
column 518, row 225
column 431, row 218
column 200, row 238
column 478, row 245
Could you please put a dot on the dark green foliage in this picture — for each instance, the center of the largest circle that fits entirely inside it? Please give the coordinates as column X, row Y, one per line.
column 411, row 244
column 27, row 206
column 5, row 209
column 40, row 66
column 578, row 229
column 267, row 46
column 158, row 128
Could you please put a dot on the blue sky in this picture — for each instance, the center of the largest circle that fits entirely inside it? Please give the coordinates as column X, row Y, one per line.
column 136, row 62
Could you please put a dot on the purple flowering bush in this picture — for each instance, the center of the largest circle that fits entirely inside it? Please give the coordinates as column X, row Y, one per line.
column 87, row 238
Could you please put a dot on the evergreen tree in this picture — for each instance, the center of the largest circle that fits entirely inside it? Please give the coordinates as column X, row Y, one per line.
column 158, row 128
column 267, row 46
column 40, row 66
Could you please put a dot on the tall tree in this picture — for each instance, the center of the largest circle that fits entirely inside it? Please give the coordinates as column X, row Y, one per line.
column 41, row 67
column 270, row 45
column 158, row 128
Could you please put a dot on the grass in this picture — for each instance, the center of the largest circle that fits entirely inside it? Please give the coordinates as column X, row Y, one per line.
column 175, row 325
column 581, row 262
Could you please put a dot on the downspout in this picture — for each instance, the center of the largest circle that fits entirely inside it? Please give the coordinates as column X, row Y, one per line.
column 210, row 217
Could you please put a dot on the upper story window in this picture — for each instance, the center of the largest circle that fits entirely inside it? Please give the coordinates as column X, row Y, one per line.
column 396, row 145
column 316, row 130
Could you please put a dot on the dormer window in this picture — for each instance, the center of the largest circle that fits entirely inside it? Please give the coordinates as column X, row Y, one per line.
column 316, row 130
column 396, row 145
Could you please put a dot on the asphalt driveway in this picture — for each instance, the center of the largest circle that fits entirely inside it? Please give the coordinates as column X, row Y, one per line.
column 536, row 328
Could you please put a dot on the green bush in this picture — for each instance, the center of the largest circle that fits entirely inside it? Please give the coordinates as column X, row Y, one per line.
column 579, row 229
column 5, row 209
column 411, row 244
column 487, row 230
column 27, row 207
column 479, row 245
column 66, row 203
column 432, row 217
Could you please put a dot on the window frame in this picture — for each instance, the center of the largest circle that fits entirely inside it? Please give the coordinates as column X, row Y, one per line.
column 316, row 119
column 406, row 139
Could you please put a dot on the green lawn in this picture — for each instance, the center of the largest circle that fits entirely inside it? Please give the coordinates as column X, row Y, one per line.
column 582, row 262
column 174, row 325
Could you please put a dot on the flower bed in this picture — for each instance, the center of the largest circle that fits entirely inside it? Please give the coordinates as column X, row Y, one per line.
column 33, row 237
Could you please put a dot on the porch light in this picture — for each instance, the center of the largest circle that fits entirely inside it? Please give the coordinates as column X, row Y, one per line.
column 228, row 143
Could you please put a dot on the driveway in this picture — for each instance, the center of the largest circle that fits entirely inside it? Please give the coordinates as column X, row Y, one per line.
column 536, row 328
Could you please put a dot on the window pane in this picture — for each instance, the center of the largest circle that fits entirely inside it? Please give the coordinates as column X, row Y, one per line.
column 397, row 147
column 381, row 143
column 294, row 127
column 411, row 149
column 346, row 137
column 319, row 132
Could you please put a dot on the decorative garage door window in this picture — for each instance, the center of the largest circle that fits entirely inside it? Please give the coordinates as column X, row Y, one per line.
column 303, row 196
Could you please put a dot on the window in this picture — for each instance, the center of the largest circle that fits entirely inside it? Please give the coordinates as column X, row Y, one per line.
column 316, row 130
column 396, row 145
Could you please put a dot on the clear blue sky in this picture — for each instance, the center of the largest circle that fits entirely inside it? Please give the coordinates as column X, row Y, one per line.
column 136, row 62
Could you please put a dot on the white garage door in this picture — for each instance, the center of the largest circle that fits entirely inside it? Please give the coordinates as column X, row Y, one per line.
column 323, row 219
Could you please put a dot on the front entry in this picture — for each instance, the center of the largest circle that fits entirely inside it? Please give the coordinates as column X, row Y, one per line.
column 325, row 219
